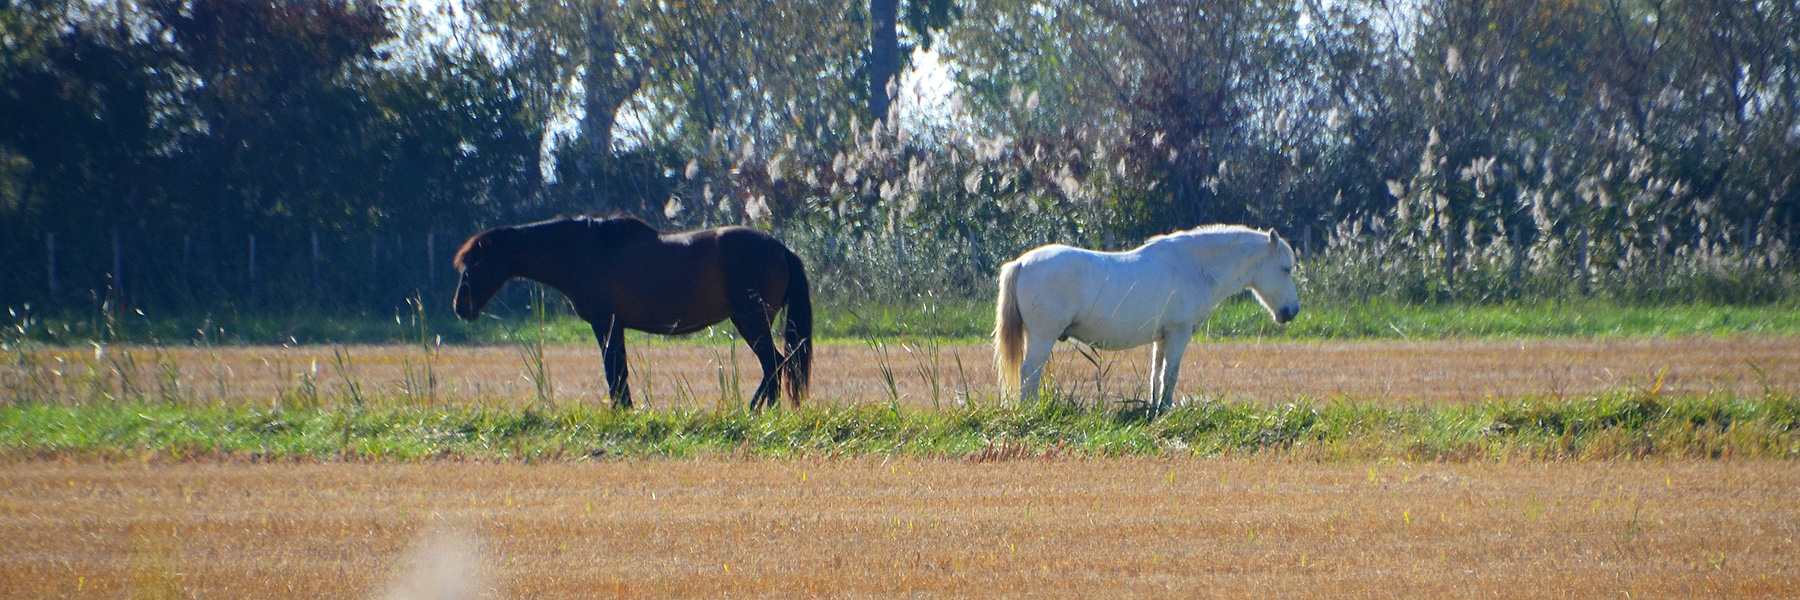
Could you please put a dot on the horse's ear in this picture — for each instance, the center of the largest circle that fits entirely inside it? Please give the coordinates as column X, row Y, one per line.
column 1274, row 241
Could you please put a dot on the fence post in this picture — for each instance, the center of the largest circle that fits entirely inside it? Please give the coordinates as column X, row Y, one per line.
column 1749, row 240
column 1518, row 254
column 118, row 270
column 431, row 257
column 374, row 263
column 50, row 262
column 1787, row 237
column 1582, row 262
column 1306, row 241
column 1743, row 245
column 1450, row 259
column 975, row 257
column 315, row 262
column 252, row 263
column 899, row 248
column 399, row 253
column 187, row 268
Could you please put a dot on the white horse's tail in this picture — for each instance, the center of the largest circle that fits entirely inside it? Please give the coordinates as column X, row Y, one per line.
column 1009, row 331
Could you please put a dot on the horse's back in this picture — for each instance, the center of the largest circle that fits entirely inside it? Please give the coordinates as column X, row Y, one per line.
column 750, row 243
column 751, row 256
column 1108, row 299
column 1058, row 266
column 685, row 281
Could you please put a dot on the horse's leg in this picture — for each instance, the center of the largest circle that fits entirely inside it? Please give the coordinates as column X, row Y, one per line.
column 1174, row 343
column 1037, row 353
column 612, row 352
column 754, row 327
column 1156, row 370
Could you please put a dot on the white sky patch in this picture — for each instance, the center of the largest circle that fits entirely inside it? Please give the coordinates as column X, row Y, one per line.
column 929, row 98
column 421, row 26
column 929, row 104
column 635, row 125
column 564, row 124
column 928, row 95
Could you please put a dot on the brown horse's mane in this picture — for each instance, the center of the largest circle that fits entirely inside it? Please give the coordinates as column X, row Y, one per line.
column 607, row 224
column 479, row 240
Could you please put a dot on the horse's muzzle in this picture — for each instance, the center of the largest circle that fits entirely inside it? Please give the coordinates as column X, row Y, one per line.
column 1286, row 314
column 464, row 304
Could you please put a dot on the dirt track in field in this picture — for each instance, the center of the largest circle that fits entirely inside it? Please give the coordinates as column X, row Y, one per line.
column 667, row 374
column 716, row 528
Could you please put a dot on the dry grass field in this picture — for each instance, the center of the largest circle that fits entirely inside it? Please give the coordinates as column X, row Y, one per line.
column 848, row 373
column 1052, row 525
column 722, row 528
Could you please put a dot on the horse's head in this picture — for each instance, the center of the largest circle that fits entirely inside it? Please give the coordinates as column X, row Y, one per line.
column 1272, row 279
column 485, row 267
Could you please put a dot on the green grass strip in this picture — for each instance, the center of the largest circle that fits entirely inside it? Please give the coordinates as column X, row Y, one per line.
column 1582, row 318
column 1616, row 425
column 963, row 320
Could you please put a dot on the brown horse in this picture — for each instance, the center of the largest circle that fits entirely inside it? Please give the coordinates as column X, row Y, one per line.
column 620, row 273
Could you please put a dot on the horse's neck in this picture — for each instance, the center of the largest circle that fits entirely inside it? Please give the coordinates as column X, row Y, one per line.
column 545, row 260
column 1227, row 263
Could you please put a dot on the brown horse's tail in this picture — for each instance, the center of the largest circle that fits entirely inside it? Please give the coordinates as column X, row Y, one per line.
column 798, row 367
column 1009, row 330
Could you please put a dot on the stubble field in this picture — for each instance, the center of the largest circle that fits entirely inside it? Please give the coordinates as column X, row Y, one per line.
column 875, row 528
column 1026, row 525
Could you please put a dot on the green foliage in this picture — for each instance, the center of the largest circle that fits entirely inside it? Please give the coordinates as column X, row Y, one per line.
column 186, row 155
column 1524, row 319
column 153, row 142
column 1355, row 270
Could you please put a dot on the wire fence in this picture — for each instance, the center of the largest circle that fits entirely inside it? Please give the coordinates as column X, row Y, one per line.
column 377, row 272
column 373, row 271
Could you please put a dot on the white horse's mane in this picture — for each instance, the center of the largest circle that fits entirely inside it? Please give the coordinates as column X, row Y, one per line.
column 1202, row 231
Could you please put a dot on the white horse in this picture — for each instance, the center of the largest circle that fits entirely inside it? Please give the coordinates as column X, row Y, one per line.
column 1157, row 294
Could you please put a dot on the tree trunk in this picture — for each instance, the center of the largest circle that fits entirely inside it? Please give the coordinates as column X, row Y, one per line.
column 608, row 85
column 884, row 55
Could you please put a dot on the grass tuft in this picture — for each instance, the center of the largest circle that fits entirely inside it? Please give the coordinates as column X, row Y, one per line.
column 1625, row 424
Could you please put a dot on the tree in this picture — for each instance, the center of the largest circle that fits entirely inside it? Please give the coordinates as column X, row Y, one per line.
column 884, row 55
column 1178, row 86
column 887, row 56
